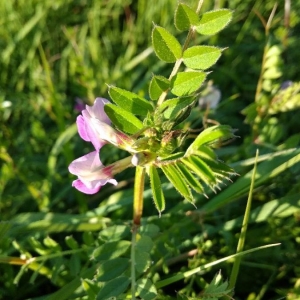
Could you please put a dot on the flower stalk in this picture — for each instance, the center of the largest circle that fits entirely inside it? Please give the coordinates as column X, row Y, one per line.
column 138, row 202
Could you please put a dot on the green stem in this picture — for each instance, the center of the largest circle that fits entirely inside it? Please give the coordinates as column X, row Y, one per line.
column 241, row 242
column 199, row 6
column 179, row 61
column 187, row 274
column 133, row 279
column 138, row 202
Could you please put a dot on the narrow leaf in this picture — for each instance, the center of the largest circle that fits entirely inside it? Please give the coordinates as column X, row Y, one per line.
column 242, row 238
column 272, row 165
column 213, row 21
column 201, row 57
column 280, row 208
column 173, row 156
column 158, row 85
column 130, row 101
column 187, row 274
column 201, row 169
column 186, row 83
column 209, row 156
column 174, row 176
column 221, row 170
column 185, row 17
column 165, row 45
column 124, row 120
column 158, row 196
column 211, row 135
column 193, row 182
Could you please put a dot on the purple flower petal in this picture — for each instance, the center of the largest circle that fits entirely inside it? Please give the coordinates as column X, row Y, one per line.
column 81, row 128
column 85, row 127
column 97, row 110
column 85, row 165
column 94, row 126
column 92, row 175
column 79, row 185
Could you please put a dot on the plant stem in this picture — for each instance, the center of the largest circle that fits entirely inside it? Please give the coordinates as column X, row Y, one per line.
column 133, row 241
column 199, row 6
column 241, row 242
column 138, row 201
column 187, row 274
column 179, row 61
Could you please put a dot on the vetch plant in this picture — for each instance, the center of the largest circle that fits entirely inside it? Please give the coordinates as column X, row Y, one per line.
column 152, row 132
column 59, row 243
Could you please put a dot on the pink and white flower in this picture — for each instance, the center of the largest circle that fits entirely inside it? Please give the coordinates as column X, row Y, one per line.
column 92, row 175
column 94, row 126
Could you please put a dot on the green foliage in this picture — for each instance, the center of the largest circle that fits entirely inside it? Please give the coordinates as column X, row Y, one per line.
column 216, row 289
column 130, row 101
column 110, row 250
column 112, row 268
column 186, row 83
column 165, row 45
column 56, row 51
column 211, row 136
column 158, row 196
column 123, row 119
column 113, row 288
column 285, row 100
column 201, row 57
column 157, row 86
column 172, row 109
column 213, row 21
column 177, row 180
column 185, row 17
column 146, row 289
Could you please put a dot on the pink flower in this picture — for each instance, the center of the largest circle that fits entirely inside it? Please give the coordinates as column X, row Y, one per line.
column 86, row 129
column 94, row 126
column 92, row 175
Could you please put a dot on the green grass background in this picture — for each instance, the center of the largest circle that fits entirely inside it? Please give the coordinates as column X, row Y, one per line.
column 55, row 51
